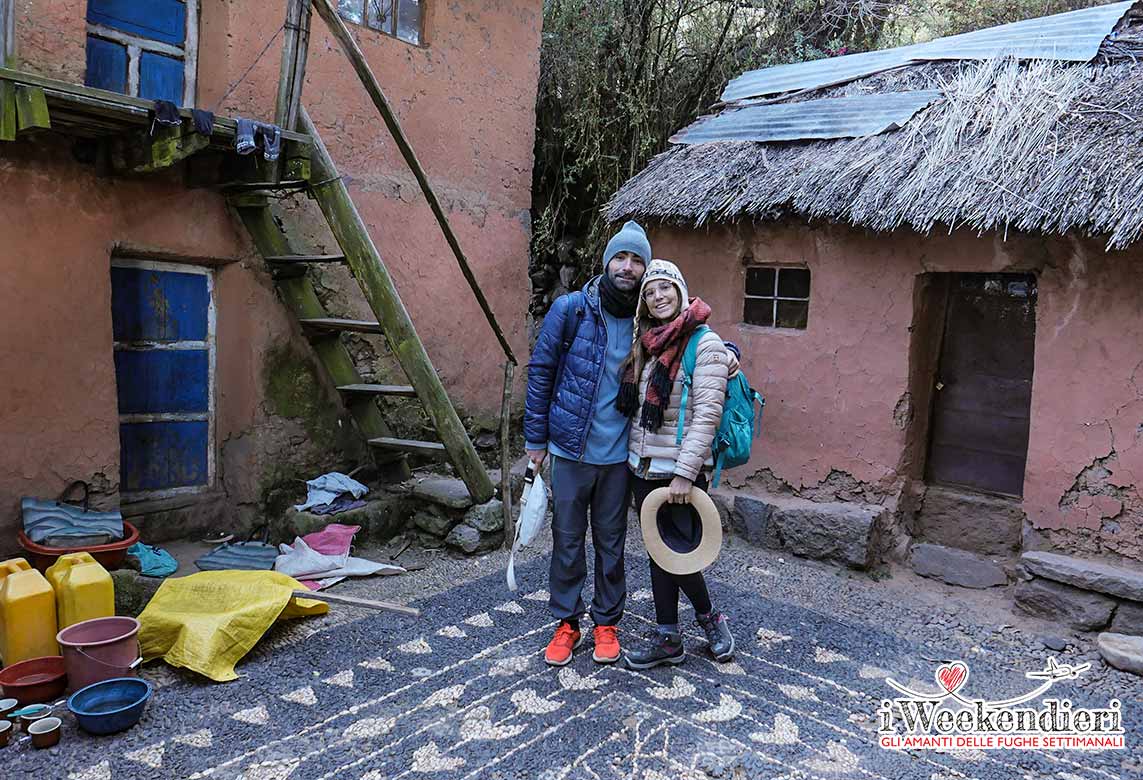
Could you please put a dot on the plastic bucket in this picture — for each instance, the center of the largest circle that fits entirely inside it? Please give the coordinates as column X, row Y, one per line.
column 100, row 649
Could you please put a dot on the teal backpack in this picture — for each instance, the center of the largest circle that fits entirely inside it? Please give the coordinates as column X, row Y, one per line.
column 739, row 425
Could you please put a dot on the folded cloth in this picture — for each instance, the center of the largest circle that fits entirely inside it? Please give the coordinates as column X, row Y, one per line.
column 244, row 135
column 58, row 520
column 203, row 121
column 327, row 487
column 166, row 113
column 339, row 504
column 152, row 561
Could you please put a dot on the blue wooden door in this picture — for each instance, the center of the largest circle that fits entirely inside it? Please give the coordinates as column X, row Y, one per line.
column 161, row 318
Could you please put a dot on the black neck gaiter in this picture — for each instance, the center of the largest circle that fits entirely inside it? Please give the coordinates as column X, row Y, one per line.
column 617, row 302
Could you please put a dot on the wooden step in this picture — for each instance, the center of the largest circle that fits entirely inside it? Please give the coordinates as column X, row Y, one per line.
column 271, row 186
column 431, row 448
column 334, row 325
column 405, row 391
column 299, row 259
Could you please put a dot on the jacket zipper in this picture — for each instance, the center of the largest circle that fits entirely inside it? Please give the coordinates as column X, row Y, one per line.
column 595, row 389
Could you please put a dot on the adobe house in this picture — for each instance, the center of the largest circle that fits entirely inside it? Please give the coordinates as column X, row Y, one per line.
column 931, row 260
column 146, row 346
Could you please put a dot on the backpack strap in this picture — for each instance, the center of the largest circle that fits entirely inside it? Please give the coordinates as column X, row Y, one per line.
column 690, row 356
column 571, row 325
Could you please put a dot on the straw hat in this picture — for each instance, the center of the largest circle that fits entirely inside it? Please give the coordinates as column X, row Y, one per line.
column 676, row 562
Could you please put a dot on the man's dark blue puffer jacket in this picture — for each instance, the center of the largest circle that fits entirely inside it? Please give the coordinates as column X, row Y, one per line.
column 561, row 388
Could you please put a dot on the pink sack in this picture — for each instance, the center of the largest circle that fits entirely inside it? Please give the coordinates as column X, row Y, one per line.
column 334, row 539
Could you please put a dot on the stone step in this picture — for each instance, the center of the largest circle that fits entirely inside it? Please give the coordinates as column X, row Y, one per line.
column 957, row 567
column 1075, row 607
column 449, row 492
column 1121, row 651
column 836, row 531
column 979, row 523
column 1086, row 573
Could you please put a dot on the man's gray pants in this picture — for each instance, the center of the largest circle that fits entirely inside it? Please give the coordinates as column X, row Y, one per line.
column 604, row 493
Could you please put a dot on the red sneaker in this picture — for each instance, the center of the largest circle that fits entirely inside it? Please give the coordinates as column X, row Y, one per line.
column 606, row 645
column 559, row 650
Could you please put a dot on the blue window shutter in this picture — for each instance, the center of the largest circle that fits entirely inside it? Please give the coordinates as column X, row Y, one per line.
column 160, row 77
column 159, row 20
column 159, row 455
column 163, row 381
column 106, row 65
column 151, row 305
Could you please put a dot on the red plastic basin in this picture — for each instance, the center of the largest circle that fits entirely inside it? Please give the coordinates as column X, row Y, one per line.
column 35, row 681
column 111, row 555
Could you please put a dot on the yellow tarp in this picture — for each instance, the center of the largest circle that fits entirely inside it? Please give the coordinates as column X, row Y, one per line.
column 208, row 621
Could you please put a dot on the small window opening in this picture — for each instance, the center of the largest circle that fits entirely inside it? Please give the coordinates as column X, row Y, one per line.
column 777, row 297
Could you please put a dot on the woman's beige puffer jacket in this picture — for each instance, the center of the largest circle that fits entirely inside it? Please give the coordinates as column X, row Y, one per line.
column 703, row 414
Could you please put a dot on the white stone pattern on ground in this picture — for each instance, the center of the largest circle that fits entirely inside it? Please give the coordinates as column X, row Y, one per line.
column 415, row 647
column 378, row 664
column 341, row 679
column 785, row 732
column 203, row 738
column 151, row 756
column 452, row 632
column 678, row 689
column 304, row 696
column 823, row 655
column 483, row 620
column 819, row 728
column 770, row 639
column 512, row 608
column 539, row 595
column 728, row 708
column 255, row 715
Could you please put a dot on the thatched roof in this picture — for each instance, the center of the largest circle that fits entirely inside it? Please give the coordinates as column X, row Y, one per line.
column 1040, row 147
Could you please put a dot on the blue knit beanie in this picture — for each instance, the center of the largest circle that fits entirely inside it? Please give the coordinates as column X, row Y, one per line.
column 630, row 238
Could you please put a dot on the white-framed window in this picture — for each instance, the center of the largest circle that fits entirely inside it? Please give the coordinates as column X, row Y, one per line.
column 777, row 297
column 144, row 49
column 163, row 325
column 402, row 19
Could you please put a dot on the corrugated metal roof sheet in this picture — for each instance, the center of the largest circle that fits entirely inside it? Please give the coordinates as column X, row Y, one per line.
column 846, row 117
column 1072, row 36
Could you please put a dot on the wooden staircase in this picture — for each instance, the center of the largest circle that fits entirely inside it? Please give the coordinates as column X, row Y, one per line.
column 288, row 264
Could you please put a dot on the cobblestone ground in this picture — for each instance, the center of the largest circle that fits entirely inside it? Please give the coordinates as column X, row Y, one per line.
column 462, row 691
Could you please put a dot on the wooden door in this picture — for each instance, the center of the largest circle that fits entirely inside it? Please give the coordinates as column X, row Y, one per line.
column 982, row 403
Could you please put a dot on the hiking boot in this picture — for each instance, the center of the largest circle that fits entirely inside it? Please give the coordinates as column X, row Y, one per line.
column 559, row 650
column 718, row 635
column 662, row 649
column 606, row 645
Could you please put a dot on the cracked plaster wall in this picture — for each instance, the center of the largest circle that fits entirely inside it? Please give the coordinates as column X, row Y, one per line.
column 838, row 412
column 467, row 103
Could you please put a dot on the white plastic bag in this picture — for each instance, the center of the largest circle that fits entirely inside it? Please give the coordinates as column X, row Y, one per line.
column 530, row 520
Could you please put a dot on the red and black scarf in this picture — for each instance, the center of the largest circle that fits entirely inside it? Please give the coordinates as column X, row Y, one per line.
column 666, row 344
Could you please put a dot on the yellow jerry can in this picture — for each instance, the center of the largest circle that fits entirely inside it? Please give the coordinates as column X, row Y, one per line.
column 84, row 589
column 27, row 613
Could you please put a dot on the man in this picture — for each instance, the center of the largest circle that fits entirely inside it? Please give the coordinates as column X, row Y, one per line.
column 570, row 412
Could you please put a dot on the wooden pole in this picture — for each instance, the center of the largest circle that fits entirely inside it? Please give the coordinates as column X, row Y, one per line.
column 295, row 49
column 351, row 601
column 367, row 266
column 361, row 66
column 505, row 456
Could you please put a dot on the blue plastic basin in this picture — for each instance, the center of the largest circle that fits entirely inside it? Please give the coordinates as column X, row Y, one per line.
column 111, row 705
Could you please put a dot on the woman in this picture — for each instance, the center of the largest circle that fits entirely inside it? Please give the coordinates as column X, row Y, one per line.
column 652, row 385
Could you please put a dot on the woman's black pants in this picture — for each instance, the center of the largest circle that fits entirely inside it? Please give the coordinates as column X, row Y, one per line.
column 681, row 529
